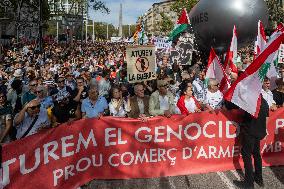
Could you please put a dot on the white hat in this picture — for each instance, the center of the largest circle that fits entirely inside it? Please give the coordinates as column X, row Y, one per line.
column 18, row 73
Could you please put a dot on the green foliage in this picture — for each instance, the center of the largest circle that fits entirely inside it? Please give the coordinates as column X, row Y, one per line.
column 33, row 4
column 275, row 10
column 101, row 30
column 99, row 6
column 166, row 24
column 125, row 30
column 180, row 4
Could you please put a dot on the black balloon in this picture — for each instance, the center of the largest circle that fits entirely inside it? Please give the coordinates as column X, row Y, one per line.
column 213, row 22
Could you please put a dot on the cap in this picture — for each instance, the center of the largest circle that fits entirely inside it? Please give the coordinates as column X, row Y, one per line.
column 18, row 73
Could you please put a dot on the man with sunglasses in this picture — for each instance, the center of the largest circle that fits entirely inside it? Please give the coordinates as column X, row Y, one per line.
column 31, row 119
column 61, row 87
column 213, row 98
column 31, row 93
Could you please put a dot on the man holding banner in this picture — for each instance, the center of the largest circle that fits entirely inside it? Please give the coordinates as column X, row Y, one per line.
column 162, row 101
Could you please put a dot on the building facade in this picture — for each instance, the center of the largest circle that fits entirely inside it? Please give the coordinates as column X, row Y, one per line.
column 152, row 18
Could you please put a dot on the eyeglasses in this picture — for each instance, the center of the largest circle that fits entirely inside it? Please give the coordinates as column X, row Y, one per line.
column 164, row 86
column 35, row 107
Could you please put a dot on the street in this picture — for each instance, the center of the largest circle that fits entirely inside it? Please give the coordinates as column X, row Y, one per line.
column 273, row 179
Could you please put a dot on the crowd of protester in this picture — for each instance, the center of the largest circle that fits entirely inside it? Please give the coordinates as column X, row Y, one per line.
column 71, row 82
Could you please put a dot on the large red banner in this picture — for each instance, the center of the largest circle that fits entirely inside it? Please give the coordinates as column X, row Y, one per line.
column 112, row 148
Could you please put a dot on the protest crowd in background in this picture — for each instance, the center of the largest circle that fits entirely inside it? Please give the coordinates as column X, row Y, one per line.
column 71, row 82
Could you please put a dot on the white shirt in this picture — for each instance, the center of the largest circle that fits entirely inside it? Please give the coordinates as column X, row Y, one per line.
column 42, row 122
column 268, row 96
column 164, row 102
column 190, row 105
column 121, row 111
column 140, row 105
column 215, row 100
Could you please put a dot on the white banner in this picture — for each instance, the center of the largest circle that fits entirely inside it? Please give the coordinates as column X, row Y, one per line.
column 281, row 54
column 141, row 63
column 162, row 43
column 115, row 39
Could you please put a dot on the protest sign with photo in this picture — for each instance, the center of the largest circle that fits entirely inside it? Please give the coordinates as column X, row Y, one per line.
column 141, row 63
column 182, row 52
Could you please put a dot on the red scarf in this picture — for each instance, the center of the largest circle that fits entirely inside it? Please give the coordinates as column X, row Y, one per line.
column 181, row 105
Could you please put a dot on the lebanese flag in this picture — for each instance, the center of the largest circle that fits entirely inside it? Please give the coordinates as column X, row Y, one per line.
column 181, row 25
column 216, row 70
column 260, row 40
column 245, row 92
column 231, row 57
column 272, row 73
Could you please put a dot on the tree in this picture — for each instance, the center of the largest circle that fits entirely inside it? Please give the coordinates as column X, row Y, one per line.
column 101, row 30
column 180, row 4
column 125, row 30
column 276, row 12
column 18, row 4
column 166, row 24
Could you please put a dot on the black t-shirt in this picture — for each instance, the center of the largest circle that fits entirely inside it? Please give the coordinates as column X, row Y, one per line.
column 278, row 97
column 64, row 113
column 84, row 93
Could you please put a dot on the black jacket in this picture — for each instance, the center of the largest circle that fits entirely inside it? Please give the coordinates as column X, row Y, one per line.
column 256, row 127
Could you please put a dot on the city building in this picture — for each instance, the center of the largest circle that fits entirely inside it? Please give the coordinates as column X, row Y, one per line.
column 152, row 18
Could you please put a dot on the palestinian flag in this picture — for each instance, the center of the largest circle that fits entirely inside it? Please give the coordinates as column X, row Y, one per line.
column 215, row 70
column 245, row 92
column 181, row 25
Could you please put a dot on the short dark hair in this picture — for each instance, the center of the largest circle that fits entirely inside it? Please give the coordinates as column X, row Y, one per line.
column 266, row 78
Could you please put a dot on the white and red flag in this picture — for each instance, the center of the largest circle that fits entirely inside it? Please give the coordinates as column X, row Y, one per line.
column 216, row 70
column 232, row 54
column 260, row 40
column 245, row 92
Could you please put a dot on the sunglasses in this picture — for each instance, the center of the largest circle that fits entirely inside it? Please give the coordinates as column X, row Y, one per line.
column 38, row 91
column 164, row 86
column 35, row 107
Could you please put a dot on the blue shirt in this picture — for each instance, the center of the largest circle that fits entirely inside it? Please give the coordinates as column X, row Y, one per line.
column 93, row 110
column 47, row 102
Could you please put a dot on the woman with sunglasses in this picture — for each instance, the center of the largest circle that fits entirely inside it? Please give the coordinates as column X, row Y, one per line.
column 31, row 119
column 6, row 121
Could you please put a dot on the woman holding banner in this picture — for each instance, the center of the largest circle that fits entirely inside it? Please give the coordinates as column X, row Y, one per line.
column 187, row 103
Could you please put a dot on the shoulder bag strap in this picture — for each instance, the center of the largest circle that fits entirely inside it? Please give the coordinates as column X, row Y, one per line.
column 30, row 127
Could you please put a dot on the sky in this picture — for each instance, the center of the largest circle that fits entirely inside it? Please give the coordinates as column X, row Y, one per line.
column 131, row 10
